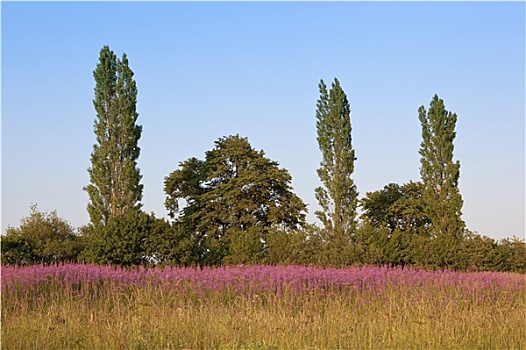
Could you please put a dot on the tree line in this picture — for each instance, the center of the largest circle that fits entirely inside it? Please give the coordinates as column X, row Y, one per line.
column 236, row 206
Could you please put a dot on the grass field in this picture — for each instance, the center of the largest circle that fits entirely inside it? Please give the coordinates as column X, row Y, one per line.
column 260, row 307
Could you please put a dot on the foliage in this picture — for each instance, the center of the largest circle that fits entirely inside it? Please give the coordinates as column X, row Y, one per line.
column 397, row 208
column 245, row 246
column 114, row 176
column 232, row 198
column 338, row 196
column 42, row 238
column 237, row 206
column 297, row 247
column 137, row 238
column 482, row 253
column 515, row 252
column 170, row 244
column 392, row 219
column 440, row 175
column 120, row 241
column 395, row 230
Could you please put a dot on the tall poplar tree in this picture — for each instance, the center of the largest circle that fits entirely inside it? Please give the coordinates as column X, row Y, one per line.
column 440, row 174
column 114, row 175
column 338, row 196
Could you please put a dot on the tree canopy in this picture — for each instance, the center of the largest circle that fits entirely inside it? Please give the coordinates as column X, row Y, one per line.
column 238, row 206
column 440, row 174
column 41, row 238
column 338, row 196
column 397, row 207
column 235, row 191
column 115, row 178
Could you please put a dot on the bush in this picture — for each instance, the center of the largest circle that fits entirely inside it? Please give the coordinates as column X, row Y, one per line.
column 42, row 238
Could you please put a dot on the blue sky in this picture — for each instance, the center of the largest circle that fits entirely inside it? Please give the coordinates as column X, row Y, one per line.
column 207, row 70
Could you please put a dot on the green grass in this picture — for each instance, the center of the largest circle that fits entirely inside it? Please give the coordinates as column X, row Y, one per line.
column 153, row 316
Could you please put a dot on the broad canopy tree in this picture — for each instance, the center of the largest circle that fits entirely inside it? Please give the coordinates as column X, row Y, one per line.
column 397, row 207
column 394, row 226
column 235, row 191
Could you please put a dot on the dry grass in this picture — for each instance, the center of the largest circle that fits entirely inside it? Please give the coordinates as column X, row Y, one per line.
column 155, row 317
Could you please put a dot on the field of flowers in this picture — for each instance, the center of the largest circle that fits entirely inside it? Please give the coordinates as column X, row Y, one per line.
column 260, row 307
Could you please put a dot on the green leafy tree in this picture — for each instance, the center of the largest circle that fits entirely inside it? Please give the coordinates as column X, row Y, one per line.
column 114, row 175
column 291, row 247
column 377, row 205
column 236, row 191
column 17, row 249
column 337, row 197
column 372, row 242
column 397, row 207
column 171, row 244
column 440, row 174
column 398, row 248
column 123, row 241
column 423, row 252
column 245, row 246
column 42, row 238
column 482, row 253
column 395, row 227
column 516, row 252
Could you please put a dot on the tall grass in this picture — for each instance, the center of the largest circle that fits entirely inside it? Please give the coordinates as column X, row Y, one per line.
column 260, row 307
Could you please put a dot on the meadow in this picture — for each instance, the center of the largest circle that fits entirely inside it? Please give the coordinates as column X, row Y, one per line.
column 260, row 307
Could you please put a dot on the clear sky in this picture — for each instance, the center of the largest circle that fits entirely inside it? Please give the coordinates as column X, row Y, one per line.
column 207, row 70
